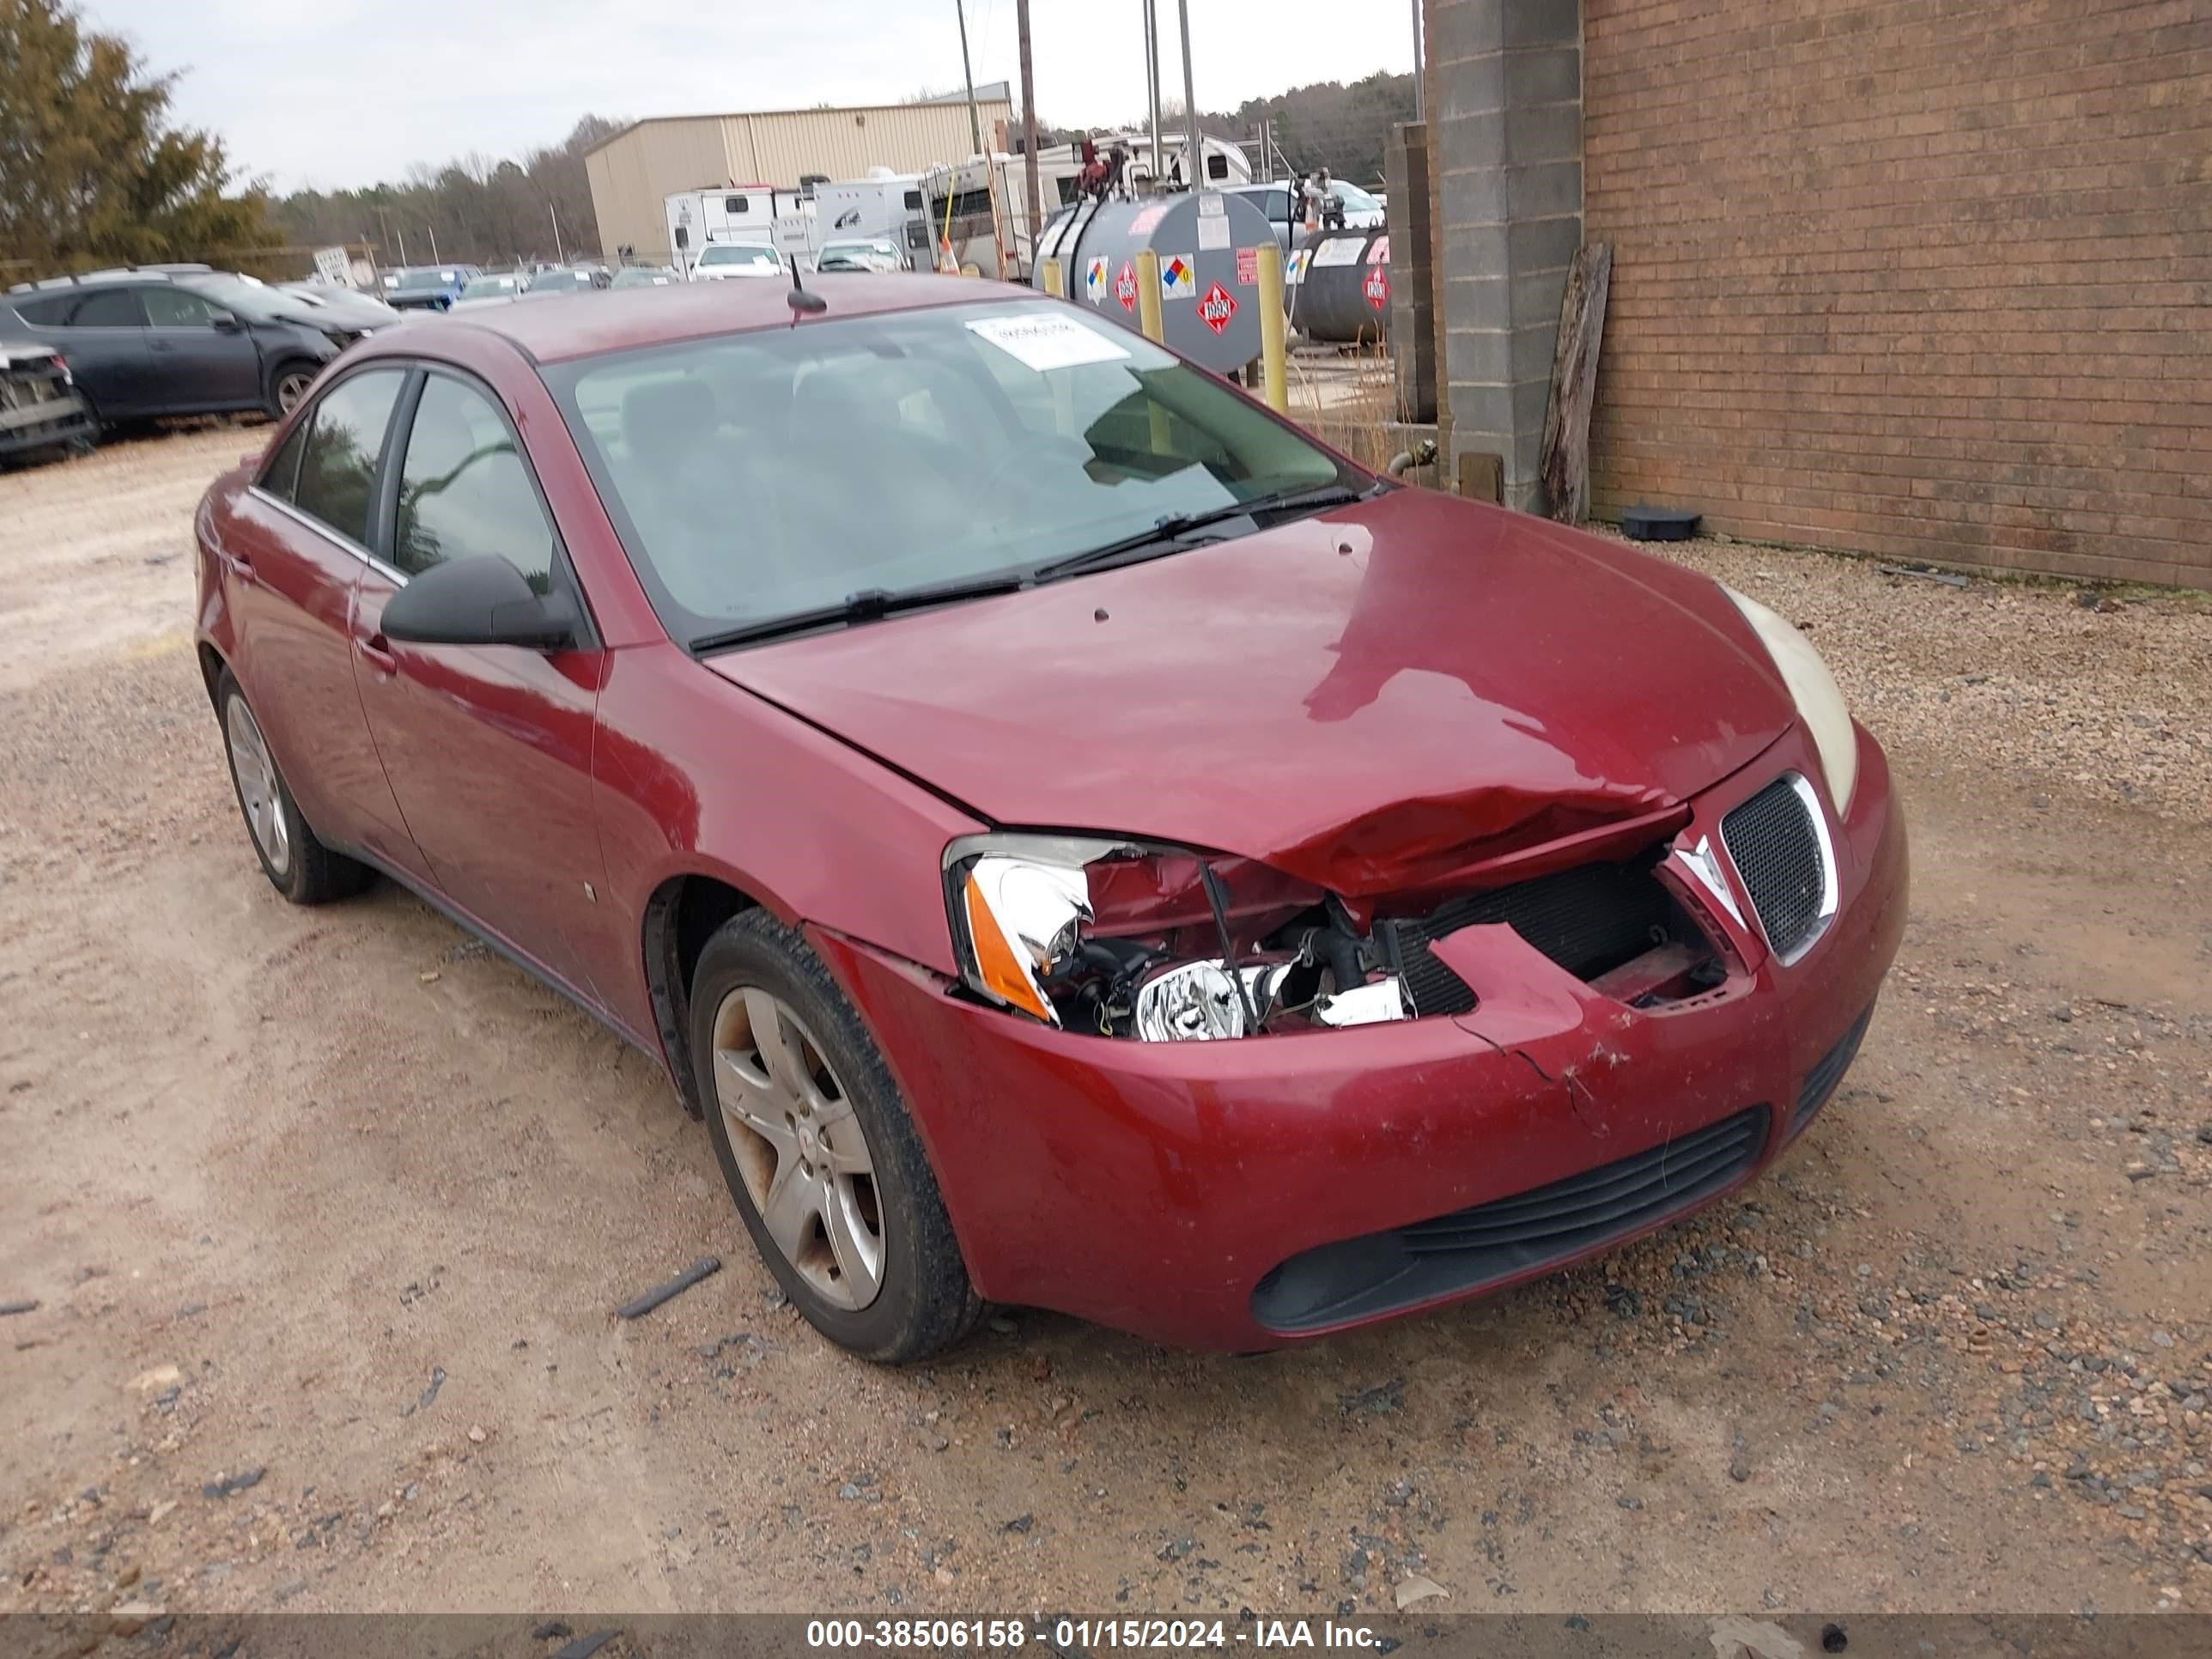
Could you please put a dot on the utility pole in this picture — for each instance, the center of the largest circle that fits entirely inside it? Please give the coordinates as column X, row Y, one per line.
column 556, row 218
column 1152, row 85
column 1029, row 123
column 1418, row 97
column 967, row 74
column 1194, row 166
column 434, row 245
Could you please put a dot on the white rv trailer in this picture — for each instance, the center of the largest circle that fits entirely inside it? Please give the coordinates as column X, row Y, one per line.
column 744, row 213
column 885, row 205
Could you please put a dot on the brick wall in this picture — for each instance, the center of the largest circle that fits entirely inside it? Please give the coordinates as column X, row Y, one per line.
column 1916, row 278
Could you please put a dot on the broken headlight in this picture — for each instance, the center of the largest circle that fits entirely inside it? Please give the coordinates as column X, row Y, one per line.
column 1812, row 687
column 1128, row 938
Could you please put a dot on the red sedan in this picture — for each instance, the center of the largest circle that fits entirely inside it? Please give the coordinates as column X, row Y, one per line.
column 1076, row 841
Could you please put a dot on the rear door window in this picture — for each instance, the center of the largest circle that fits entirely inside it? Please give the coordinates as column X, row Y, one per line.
column 109, row 308
column 338, row 467
column 51, row 312
column 282, row 475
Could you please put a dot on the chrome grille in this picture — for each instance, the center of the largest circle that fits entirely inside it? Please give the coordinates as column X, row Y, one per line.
column 1781, row 850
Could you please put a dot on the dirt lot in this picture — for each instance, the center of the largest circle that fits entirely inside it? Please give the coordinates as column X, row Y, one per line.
column 335, row 1200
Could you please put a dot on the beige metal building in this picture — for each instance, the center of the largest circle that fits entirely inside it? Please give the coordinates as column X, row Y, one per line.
column 634, row 172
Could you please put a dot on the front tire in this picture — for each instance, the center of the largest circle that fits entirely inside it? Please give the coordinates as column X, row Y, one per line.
column 287, row 384
column 819, row 1151
column 298, row 865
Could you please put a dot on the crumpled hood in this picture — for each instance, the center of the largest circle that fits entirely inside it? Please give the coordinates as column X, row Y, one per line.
column 1368, row 699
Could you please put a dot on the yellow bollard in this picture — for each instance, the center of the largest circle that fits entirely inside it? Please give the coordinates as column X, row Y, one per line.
column 1148, row 296
column 1155, row 327
column 1052, row 284
column 1274, row 367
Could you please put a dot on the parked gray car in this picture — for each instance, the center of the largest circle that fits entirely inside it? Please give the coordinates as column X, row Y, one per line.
column 182, row 341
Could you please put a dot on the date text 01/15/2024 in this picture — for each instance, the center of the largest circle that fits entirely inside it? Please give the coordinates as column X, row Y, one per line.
column 1068, row 1634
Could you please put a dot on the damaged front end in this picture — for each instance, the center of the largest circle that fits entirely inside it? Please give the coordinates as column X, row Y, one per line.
column 1128, row 938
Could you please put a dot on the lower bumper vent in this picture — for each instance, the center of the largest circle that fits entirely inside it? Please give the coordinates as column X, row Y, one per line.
column 1469, row 1249
column 1827, row 1072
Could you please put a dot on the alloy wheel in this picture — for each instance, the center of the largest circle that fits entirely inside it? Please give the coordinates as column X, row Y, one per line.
column 257, row 785
column 292, row 385
column 803, row 1155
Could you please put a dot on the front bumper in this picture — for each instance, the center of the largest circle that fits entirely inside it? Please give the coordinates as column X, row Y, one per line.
column 1174, row 1190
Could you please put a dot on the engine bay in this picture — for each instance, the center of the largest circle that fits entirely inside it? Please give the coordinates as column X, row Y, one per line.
column 1163, row 944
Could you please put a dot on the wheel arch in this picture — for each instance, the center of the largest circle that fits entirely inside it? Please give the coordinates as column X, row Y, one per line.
column 682, row 913
column 212, row 667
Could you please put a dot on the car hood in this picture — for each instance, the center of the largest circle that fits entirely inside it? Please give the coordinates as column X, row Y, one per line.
column 1369, row 699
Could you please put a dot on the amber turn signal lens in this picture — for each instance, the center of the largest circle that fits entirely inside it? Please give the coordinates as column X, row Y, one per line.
column 996, row 961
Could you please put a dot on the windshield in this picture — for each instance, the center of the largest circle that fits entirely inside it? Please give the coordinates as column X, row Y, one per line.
column 427, row 279
column 723, row 253
column 644, row 276
column 763, row 475
column 1355, row 199
column 481, row 288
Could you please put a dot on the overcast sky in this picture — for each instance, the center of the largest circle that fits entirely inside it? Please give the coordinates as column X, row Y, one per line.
column 338, row 93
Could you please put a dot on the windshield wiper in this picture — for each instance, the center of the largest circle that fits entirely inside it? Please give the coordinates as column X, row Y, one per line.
column 866, row 605
column 1169, row 530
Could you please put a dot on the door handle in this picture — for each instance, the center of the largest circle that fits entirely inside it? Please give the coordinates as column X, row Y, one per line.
column 240, row 567
column 373, row 654
column 162, row 345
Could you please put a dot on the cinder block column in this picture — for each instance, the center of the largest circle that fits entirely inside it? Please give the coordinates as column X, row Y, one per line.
column 1505, row 147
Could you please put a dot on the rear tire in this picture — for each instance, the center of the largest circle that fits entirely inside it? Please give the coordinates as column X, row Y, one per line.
column 297, row 864
column 849, row 1169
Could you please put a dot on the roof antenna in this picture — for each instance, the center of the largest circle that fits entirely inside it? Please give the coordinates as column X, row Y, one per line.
column 800, row 299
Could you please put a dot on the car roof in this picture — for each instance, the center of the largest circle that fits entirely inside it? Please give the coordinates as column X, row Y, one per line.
column 582, row 325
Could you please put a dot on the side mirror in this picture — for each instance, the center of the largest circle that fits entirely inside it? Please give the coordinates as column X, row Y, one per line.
column 224, row 322
column 479, row 601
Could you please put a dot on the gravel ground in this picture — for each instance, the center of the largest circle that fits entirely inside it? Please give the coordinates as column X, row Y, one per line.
column 2085, row 693
column 323, row 1213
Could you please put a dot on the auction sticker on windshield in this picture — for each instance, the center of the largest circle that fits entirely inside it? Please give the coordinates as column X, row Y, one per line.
column 1044, row 342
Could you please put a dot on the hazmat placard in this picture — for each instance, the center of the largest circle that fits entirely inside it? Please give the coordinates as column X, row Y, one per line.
column 1378, row 251
column 1044, row 339
column 1377, row 287
column 1124, row 286
column 1248, row 266
column 1095, row 283
column 1215, row 310
column 1294, row 268
column 1178, row 276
